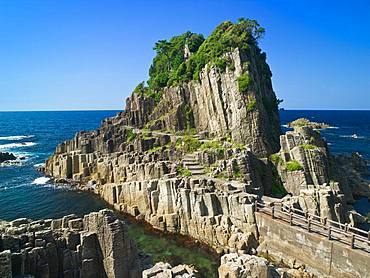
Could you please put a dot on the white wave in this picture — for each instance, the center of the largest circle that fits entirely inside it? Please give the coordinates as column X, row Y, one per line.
column 15, row 137
column 39, row 165
column 353, row 136
column 41, row 180
column 16, row 145
column 332, row 127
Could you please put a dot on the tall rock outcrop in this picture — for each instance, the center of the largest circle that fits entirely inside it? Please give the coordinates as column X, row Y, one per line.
column 321, row 184
column 216, row 105
column 95, row 246
column 133, row 160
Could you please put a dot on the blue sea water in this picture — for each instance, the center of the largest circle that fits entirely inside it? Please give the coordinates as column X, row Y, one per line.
column 36, row 134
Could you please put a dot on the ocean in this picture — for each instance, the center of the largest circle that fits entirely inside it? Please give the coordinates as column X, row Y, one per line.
column 34, row 135
column 24, row 192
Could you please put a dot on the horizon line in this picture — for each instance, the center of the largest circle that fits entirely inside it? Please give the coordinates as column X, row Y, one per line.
column 87, row 110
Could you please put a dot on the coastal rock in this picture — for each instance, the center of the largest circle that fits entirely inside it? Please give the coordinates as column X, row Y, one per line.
column 7, row 157
column 243, row 266
column 97, row 246
column 220, row 217
column 305, row 122
column 165, row 270
column 320, row 183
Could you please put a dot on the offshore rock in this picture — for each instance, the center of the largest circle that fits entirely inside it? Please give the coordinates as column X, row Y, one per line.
column 7, row 157
column 96, row 246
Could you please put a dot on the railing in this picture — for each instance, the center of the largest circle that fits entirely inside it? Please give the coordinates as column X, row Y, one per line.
column 354, row 237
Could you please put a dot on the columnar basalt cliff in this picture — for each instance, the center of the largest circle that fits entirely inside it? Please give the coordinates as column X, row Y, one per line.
column 95, row 246
column 195, row 149
column 214, row 104
column 321, row 184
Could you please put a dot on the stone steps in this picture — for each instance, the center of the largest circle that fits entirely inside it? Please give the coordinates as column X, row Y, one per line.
column 191, row 163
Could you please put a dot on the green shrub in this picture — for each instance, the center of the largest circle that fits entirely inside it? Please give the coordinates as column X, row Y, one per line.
column 170, row 67
column 243, row 82
column 251, row 105
column 191, row 144
column 308, row 147
column 180, row 170
column 130, row 135
column 213, row 146
column 293, row 165
column 276, row 158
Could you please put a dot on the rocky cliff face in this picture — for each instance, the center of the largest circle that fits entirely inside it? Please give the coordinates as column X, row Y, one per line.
column 320, row 183
column 215, row 104
column 95, row 246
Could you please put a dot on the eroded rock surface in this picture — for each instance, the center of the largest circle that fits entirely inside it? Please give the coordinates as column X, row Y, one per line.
column 165, row 270
column 320, row 183
column 95, row 246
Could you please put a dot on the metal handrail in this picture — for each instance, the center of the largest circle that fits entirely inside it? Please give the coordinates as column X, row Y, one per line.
column 332, row 229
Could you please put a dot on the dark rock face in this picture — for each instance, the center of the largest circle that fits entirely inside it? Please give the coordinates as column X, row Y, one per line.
column 7, row 157
column 96, row 246
column 214, row 104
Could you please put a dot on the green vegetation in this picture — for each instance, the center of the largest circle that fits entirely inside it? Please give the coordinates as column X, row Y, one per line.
column 213, row 146
column 278, row 189
column 243, row 82
column 167, row 249
column 171, row 67
column 308, row 147
column 191, row 144
column 145, row 91
column 130, row 135
column 293, row 165
column 276, row 158
column 251, row 104
column 154, row 149
column 180, row 170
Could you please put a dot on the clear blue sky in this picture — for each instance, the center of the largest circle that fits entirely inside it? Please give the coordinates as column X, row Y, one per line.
column 75, row 54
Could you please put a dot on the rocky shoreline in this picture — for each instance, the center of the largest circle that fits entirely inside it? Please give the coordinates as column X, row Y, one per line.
column 196, row 157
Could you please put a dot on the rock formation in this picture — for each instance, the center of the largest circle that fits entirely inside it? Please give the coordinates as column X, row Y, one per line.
column 95, row 246
column 7, row 157
column 305, row 122
column 250, row 266
column 319, row 182
column 194, row 159
column 165, row 270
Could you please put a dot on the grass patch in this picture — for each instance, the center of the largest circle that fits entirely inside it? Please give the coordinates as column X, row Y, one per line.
column 308, row 147
column 213, row 146
column 243, row 82
column 276, row 158
column 180, row 170
column 130, row 135
column 191, row 144
column 251, row 104
column 293, row 165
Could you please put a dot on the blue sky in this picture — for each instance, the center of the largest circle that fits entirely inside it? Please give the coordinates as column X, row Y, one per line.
column 74, row 54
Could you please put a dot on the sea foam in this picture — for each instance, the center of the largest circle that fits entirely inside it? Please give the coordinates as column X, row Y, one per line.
column 15, row 137
column 16, row 145
column 41, row 180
